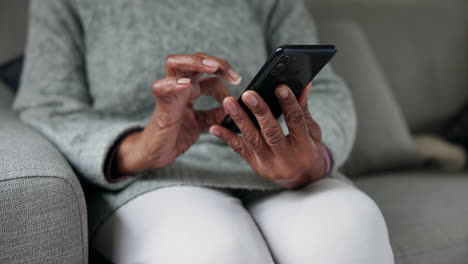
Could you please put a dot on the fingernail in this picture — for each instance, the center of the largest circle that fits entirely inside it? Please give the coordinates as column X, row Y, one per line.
column 236, row 76
column 215, row 132
column 283, row 92
column 209, row 63
column 251, row 99
column 183, row 81
column 231, row 107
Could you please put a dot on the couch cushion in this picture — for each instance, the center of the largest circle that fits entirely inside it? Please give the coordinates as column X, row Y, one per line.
column 6, row 96
column 42, row 206
column 423, row 48
column 13, row 21
column 383, row 138
column 426, row 213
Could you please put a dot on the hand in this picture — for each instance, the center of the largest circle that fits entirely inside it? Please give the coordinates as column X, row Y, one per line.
column 175, row 125
column 290, row 161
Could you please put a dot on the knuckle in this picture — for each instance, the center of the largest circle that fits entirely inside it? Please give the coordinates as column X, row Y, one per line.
column 273, row 135
column 195, row 58
column 270, row 176
column 254, row 140
column 170, row 58
column 287, row 176
column 306, row 163
column 156, row 87
column 163, row 120
column 295, row 118
column 237, row 146
column 291, row 173
column 261, row 112
column 241, row 121
column 224, row 64
column 307, row 114
column 160, row 87
column 316, row 132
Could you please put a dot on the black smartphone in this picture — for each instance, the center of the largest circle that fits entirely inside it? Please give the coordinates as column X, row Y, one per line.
column 293, row 65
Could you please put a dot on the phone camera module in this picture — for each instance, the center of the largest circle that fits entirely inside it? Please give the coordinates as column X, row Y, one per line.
column 278, row 68
column 284, row 59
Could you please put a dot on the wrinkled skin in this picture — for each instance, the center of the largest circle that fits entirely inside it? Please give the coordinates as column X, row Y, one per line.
column 290, row 160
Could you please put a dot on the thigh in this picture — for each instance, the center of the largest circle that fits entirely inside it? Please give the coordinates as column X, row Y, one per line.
column 330, row 221
column 183, row 224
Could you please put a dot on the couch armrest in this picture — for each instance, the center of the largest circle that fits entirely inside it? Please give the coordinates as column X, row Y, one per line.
column 42, row 207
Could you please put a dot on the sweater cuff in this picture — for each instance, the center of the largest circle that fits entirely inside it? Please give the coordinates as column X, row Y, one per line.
column 110, row 166
column 327, row 159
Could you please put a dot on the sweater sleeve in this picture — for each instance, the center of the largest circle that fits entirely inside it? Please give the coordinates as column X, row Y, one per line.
column 330, row 102
column 54, row 97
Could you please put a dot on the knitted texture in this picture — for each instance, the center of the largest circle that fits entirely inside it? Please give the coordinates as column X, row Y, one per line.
column 90, row 65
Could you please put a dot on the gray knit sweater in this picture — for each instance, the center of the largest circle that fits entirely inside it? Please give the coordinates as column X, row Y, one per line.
column 90, row 65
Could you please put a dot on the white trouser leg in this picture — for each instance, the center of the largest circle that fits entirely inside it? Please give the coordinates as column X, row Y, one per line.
column 327, row 222
column 182, row 224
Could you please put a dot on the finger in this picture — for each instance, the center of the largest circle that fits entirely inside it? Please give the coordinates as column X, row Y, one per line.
column 225, row 69
column 213, row 86
column 168, row 93
column 210, row 117
column 293, row 113
column 314, row 128
column 304, row 94
column 250, row 133
column 233, row 140
column 270, row 128
column 190, row 65
column 165, row 89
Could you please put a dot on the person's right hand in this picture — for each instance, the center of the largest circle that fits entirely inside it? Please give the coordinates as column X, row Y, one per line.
column 175, row 125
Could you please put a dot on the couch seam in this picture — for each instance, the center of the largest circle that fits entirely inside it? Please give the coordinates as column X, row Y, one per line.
column 26, row 169
column 434, row 249
column 74, row 193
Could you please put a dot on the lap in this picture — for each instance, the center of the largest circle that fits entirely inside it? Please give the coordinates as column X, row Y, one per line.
column 330, row 221
column 183, row 224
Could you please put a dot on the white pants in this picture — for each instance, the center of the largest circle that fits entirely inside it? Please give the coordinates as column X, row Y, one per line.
column 328, row 222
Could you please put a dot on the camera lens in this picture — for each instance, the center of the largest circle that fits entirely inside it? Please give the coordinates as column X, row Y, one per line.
column 279, row 66
column 284, row 59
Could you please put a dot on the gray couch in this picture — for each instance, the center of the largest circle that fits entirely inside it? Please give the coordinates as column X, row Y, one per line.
column 406, row 62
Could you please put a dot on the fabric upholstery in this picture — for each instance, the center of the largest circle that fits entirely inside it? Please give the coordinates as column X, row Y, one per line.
column 6, row 97
column 429, row 36
column 82, row 94
column 422, row 46
column 42, row 206
column 383, row 139
column 426, row 213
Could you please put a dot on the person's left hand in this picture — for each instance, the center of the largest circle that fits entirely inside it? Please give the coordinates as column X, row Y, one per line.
column 290, row 161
